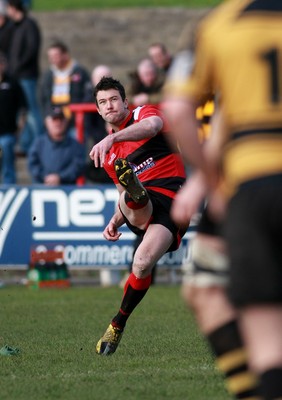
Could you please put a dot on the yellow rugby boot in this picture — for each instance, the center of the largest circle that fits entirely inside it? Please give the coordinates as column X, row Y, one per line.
column 109, row 342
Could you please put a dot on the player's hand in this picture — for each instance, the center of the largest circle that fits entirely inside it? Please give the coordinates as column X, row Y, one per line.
column 111, row 232
column 99, row 151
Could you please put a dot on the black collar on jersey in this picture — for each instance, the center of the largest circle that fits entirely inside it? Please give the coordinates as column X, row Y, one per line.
column 128, row 121
column 263, row 5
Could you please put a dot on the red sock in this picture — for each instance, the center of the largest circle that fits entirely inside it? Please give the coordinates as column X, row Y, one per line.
column 134, row 291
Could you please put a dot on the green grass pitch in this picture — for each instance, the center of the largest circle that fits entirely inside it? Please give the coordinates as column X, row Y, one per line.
column 161, row 355
column 52, row 5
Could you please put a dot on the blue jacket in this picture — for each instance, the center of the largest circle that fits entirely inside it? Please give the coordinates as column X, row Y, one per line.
column 65, row 158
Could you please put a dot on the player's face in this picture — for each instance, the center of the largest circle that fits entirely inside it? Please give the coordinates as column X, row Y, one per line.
column 111, row 106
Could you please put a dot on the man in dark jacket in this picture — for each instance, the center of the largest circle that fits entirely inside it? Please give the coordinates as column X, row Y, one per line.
column 24, row 65
column 6, row 29
column 13, row 108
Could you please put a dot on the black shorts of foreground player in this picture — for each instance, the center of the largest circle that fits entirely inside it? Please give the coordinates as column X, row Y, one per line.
column 147, row 174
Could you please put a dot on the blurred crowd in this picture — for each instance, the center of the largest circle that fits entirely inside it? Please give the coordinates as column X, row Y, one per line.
column 35, row 112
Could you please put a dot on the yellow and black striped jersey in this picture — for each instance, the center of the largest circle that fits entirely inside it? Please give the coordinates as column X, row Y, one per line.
column 238, row 55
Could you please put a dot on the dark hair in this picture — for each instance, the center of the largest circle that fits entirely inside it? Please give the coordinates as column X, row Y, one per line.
column 107, row 83
column 17, row 4
column 58, row 44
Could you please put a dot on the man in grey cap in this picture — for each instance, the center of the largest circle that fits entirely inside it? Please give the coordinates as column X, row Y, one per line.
column 55, row 158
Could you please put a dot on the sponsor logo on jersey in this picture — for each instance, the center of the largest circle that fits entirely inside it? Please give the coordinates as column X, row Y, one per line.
column 112, row 158
column 147, row 164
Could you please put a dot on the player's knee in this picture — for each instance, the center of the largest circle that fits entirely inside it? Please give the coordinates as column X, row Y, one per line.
column 142, row 265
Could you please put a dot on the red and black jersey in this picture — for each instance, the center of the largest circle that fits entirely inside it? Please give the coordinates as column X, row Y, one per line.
column 157, row 166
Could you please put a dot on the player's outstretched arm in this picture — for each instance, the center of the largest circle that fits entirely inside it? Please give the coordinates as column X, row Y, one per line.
column 111, row 232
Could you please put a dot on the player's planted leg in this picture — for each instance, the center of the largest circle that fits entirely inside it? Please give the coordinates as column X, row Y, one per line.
column 134, row 291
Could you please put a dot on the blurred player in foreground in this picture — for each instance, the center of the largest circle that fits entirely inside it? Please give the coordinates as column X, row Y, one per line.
column 147, row 174
column 245, row 73
column 205, row 281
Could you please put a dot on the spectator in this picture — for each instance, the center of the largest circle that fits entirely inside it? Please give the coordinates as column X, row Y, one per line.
column 6, row 29
column 64, row 82
column 95, row 126
column 160, row 57
column 145, row 84
column 204, row 115
column 99, row 72
column 55, row 158
column 13, row 108
column 24, row 65
column 27, row 4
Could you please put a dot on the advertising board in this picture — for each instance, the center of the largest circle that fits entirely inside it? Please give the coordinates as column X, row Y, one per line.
column 69, row 219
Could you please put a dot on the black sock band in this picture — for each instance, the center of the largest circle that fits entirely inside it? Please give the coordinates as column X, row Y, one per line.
column 271, row 384
column 231, row 358
column 134, row 291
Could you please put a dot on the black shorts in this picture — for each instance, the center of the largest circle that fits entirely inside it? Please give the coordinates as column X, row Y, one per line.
column 254, row 235
column 207, row 225
column 161, row 215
